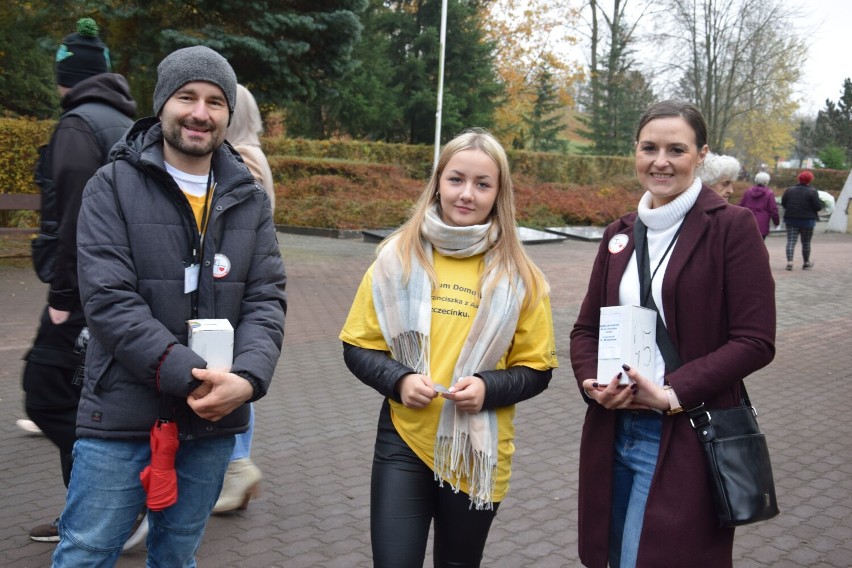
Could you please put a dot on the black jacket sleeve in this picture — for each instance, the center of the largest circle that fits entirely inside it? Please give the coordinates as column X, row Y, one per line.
column 513, row 385
column 502, row 388
column 76, row 157
column 375, row 369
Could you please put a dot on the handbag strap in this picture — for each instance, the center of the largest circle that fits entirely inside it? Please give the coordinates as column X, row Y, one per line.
column 698, row 416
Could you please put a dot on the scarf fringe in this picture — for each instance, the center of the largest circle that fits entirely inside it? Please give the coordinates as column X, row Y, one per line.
column 455, row 459
column 411, row 348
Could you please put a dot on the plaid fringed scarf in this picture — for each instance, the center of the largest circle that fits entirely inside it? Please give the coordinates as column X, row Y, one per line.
column 465, row 444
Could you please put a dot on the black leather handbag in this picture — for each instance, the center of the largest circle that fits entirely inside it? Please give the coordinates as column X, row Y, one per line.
column 736, row 450
column 738, row 460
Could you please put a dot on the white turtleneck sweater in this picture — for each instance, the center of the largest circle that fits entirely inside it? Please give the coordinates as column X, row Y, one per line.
column 663, row 223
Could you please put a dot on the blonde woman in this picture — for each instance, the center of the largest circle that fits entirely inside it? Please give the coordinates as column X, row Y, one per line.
column 452, row 324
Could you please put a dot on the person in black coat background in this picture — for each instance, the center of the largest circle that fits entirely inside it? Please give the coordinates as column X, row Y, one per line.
column 97, row 108
column 801, row 207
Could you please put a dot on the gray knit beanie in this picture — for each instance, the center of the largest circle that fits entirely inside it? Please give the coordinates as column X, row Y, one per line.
column 197, row 63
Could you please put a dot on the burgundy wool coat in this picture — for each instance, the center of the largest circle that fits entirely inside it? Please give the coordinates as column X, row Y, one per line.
column 719, row 304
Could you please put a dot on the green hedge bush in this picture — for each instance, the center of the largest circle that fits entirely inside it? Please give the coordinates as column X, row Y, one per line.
column 357, row 184
column 19, row 142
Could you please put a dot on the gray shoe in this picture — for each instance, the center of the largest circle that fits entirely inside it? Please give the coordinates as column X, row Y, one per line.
column 28, row 426
column 241, row 484
column 139, row 533
column 808, row 265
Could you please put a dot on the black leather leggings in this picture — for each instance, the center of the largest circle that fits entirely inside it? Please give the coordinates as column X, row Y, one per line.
column 405, row 498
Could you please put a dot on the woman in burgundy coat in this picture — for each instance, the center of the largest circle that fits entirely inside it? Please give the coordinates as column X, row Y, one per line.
column 644, row 493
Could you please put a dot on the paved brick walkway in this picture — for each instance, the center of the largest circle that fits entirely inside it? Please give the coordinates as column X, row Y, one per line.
column 315, row 429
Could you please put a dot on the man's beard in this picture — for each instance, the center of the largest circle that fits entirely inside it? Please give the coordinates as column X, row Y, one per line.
column 172, row 135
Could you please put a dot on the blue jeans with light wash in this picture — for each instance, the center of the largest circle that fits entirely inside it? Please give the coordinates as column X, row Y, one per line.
column 242, row 447
column 105, row 496
column 637, row 444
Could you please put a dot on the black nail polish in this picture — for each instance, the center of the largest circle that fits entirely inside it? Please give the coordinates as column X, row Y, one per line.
column 634, row 387
column 595, row 385
column 626, row 367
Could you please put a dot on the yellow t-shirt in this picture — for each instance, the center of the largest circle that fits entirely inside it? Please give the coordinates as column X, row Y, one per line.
column 197, row 204
column 454, row 305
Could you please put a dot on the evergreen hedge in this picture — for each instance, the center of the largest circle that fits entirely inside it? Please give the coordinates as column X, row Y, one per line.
column 356, row 184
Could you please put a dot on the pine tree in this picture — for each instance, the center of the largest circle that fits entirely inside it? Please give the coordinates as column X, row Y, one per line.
column 544, row 123
column 617, row 94
column 833, row 126
column 391, row 94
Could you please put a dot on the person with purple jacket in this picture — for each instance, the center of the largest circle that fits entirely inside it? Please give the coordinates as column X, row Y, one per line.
column 760, row 199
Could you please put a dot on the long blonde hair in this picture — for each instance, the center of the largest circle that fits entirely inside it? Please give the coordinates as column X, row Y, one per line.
column 508, row 256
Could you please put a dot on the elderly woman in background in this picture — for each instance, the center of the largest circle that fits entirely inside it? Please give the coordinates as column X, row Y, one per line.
column 761, row 201
column 719, row 172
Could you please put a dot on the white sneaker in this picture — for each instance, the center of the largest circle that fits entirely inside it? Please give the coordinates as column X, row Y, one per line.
column 138, row 535
column 242, row 480
column 28, row 426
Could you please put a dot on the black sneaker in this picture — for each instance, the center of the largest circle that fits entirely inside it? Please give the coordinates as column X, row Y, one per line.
column 46, row 533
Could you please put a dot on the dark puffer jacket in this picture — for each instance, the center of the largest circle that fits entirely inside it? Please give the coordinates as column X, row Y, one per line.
column 136, row 236
column 95, row 115
column 801, row 202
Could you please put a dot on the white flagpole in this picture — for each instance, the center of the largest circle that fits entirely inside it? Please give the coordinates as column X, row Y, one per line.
column 440, row 83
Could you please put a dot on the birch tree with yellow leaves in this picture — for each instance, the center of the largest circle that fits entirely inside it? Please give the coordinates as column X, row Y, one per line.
column 533, row 39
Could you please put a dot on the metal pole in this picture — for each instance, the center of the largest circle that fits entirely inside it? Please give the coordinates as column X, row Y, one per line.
column 440, row 83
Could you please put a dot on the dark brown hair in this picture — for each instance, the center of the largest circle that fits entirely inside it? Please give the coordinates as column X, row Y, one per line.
column 672, row 108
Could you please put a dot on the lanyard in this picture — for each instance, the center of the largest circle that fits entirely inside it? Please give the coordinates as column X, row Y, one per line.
column 664, row 341
column 202, row 230
column 645, row 276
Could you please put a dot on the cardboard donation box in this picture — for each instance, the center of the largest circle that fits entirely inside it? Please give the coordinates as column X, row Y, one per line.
column 628, row 334
column 213, row 339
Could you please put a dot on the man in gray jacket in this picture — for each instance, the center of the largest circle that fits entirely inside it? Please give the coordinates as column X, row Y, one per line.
column 173, row 229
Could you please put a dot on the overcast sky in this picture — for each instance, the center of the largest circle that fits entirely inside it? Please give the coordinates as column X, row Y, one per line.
column 830, row 55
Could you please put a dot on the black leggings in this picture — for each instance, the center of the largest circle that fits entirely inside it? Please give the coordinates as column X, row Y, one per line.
column 405, row 498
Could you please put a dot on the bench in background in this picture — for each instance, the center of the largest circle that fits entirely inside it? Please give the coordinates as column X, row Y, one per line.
column 19, row 202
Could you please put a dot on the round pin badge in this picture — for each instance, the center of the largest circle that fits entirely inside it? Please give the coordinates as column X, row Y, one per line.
column 617, row 243
column 221, row 266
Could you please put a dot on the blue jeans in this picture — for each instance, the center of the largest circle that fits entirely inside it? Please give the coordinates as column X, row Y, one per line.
column 242, row 447
column 105, row 496
column 637, row 444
